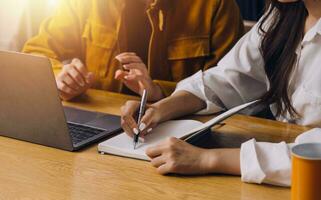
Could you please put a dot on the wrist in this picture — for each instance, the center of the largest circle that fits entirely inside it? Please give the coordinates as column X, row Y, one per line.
column 209, row 161
column 224, row 161
column 160, row 108
column 156, row 92
column 166, row 109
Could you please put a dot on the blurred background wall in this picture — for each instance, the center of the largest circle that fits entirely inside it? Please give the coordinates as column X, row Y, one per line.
column 20, row 19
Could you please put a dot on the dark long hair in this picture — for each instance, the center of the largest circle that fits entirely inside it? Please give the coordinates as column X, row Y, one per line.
column 282, row 35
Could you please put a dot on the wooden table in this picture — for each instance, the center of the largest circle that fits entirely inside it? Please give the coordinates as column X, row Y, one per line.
column 29, row 171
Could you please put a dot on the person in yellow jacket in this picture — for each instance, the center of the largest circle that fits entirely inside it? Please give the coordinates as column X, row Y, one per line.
column 131, row 45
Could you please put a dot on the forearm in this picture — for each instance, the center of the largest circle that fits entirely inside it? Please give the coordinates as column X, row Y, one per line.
column 223, row 161
column 180, row 104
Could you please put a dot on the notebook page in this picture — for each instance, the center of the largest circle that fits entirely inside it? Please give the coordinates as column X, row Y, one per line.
column 122, row 144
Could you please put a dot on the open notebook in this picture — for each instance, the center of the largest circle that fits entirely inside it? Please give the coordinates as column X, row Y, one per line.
column 122, row 145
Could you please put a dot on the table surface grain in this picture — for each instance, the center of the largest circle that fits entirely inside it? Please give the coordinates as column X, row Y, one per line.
column 30, row 171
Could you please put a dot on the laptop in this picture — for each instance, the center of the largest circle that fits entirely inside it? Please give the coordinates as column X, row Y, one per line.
column 31, row 110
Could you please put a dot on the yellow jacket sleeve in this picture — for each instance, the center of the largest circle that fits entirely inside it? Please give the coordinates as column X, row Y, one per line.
column 59, row 37
column 167, row 87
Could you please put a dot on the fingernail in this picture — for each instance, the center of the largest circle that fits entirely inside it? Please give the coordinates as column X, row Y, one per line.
column 82, row 84
column 142, row 126
column 125, row 77
column 149, row 130
column 141, row 140
column 135, row 130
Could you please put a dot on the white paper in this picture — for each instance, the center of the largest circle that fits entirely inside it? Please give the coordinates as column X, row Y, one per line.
column 122, row 145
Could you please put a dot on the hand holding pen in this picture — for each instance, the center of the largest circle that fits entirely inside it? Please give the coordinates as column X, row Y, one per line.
column 148, row 121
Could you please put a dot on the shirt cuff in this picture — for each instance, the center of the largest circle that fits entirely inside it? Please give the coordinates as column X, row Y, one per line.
column 56, row 66
column 263, row 162
column 195, row 85
column 251, row 171
column 270, row 163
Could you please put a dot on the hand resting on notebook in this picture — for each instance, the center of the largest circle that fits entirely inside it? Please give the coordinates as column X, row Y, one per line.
column 170, row 156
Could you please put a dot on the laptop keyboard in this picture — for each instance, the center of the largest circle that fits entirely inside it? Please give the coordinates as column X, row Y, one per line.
column 81, row 133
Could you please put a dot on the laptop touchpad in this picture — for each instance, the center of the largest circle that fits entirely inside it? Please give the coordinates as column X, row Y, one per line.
column 94, row 119
column 80, row 116
column 107, row 122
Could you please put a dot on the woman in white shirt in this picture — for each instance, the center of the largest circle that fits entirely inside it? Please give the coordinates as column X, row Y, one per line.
column 278, row 61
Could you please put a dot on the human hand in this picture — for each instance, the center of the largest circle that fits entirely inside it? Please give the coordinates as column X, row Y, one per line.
column 136, row 77
column 73, row 80
column 177, row 156
column 148, row 121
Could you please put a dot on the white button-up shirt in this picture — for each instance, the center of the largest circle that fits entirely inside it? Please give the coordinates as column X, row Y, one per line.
column 240, row 77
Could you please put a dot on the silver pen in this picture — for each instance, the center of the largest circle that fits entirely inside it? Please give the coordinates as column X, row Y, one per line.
column 141, row 113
